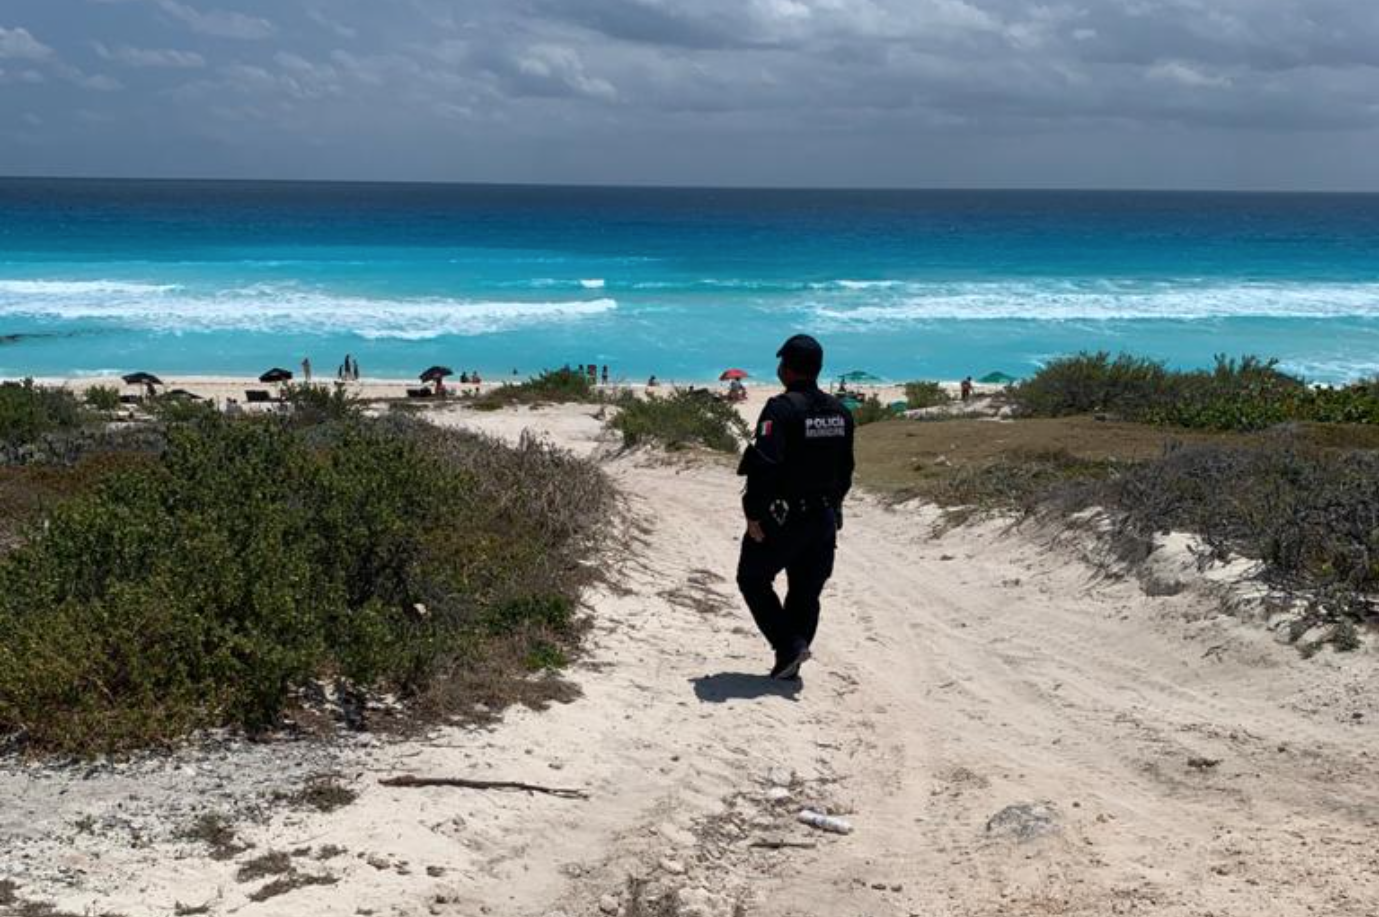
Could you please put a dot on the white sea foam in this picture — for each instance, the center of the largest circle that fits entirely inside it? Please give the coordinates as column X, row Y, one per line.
column 1333, row 369
column 596, row 283
column 83, row 288
column 866, row 284
column 285, row 309
column 1101, row 301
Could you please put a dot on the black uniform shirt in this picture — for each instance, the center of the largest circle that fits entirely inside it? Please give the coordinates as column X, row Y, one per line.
column 801, row 448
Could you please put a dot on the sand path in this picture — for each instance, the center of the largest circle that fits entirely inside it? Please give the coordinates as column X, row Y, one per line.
column 955, row 676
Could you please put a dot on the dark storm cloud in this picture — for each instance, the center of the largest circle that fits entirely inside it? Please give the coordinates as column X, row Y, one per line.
column 1064, row 92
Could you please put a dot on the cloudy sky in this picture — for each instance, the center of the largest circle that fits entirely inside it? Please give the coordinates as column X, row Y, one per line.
column 930, row 93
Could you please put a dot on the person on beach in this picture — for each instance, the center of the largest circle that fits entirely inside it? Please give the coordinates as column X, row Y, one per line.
column 605, row 374
column 798, row 469
column 306, row 370
column 967, row 389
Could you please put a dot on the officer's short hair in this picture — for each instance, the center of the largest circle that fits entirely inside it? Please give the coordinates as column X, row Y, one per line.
column 802, row 354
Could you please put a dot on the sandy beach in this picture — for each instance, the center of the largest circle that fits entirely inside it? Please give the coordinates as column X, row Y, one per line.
column 221, row 388
column 1009, row 729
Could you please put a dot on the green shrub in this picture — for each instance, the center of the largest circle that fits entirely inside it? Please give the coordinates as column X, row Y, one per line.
column 313, row 404
column 172, row 409
column 925, row 395
column 870, row 410
column 1090, row 383
column 1245, row 394
column 199, row 588
column 554, row 386
column 681, row 419
column 28, row 411
column 102, row 398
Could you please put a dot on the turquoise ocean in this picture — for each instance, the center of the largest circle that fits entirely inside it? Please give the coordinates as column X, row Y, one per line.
column 220, row 278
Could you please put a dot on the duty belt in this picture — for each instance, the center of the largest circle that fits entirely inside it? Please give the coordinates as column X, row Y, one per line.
column 783, row 507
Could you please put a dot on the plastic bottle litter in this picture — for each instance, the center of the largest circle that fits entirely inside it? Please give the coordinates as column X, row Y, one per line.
column 825, row 822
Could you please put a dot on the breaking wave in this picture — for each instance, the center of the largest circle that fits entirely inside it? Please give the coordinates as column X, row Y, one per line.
column 1098, row 301
column 277, row 309
column 82, row 288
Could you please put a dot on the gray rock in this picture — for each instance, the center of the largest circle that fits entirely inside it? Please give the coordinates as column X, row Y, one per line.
column 1024, row 822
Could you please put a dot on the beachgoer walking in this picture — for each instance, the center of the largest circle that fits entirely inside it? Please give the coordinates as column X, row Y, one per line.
column 652, row 383
column 798, row 469
column 605, row 374
column 306, row 370
column 967, row 389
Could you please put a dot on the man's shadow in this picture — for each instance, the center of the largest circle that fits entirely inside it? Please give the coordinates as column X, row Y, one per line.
column 726, row 686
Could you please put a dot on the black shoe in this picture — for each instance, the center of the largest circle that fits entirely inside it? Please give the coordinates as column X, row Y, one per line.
column 788, row 665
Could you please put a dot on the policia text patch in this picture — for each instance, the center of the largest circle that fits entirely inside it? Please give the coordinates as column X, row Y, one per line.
column 823, row 427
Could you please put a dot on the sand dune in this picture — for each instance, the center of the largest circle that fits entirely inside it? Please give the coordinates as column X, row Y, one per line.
column 1009, row 732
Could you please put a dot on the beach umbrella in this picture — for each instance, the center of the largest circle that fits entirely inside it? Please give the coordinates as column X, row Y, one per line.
column 141, row 379
column 276, row 374
column 859, row 375
column 996, row 379
column 731, row 374
column 183, row 393
column 436, row 372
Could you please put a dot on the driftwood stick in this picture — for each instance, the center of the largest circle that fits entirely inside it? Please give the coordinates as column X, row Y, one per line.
column 782, row 845
column 407, row 780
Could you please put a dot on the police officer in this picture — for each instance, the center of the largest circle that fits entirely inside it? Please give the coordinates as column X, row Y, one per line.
column 798, row 470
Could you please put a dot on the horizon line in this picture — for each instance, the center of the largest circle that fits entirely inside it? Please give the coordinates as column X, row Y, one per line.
column 659, row 186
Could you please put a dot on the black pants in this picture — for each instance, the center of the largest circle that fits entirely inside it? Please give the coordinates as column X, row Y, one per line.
column 804, row 549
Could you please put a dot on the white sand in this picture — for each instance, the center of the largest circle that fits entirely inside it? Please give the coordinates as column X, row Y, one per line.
column 955, row 676
column 219, row 388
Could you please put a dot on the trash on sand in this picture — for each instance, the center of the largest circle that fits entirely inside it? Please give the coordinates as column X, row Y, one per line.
column 824, row 822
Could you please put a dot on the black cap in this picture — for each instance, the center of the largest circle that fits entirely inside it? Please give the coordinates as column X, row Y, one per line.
column 803, row 354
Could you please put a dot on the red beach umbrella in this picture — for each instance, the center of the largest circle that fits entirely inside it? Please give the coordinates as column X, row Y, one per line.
column 729, row 374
